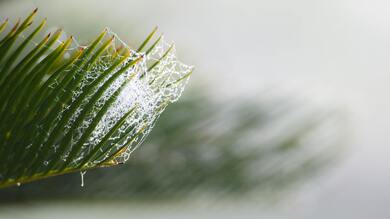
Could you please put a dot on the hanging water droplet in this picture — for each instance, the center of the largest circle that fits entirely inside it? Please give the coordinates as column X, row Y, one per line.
column 45, row 162
column 82, row 173
column 18, row 184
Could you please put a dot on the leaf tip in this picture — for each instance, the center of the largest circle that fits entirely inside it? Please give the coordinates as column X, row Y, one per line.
column 127, row 52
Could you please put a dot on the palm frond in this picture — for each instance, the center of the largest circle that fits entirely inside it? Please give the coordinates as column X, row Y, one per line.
column 67, row 108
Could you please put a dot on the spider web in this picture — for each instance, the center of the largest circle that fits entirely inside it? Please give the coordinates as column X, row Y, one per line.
column 148, row 92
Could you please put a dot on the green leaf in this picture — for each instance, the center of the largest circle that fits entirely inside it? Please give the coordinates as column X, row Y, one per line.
column 65, row 108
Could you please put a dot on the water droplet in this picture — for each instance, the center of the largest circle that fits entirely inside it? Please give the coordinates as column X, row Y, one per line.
column 18, row 184
column 45, row 162
column 82, row 173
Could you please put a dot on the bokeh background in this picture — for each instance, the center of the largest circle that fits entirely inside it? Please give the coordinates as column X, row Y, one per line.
column 285, row 115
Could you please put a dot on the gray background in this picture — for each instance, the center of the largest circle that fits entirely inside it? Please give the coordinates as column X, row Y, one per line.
column 333, row 53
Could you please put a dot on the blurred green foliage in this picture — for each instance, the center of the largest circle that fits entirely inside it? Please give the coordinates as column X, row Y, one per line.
column 201, row 146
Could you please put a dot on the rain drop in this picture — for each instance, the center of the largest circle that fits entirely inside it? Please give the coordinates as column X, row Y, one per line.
column 82, row 173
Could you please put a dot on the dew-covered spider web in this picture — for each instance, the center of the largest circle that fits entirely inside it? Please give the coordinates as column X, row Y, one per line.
column 129, row 103
column 147, row 92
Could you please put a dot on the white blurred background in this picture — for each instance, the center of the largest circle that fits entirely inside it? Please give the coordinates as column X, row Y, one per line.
column 332, row 53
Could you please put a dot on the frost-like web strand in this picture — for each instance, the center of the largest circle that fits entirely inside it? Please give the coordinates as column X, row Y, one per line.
column 148, row 92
